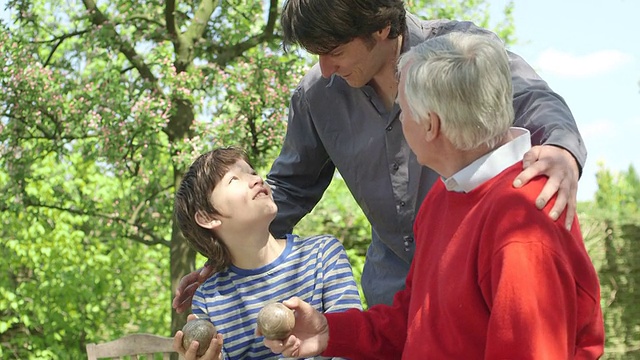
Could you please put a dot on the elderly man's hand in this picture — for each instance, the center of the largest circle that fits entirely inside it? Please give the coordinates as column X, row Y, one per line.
column 310, row 334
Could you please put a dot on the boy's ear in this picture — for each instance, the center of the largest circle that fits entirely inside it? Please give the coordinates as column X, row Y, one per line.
column 206, row 221
column 383, row 33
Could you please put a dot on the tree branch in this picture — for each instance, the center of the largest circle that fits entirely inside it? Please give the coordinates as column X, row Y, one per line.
column 153, row 241
column 149, row 238
column 46, row 134
column 184, row 43
column 170, row 19
column 227, row 54
column 145, row 18
column 99, row 19
column 61, row 37
column 58, row 41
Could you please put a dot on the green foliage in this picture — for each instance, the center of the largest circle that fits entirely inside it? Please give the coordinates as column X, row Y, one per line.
column 338, row 214
column 611, row 228
column 102, row 108
column 252, row 116
column 476, row 11
column 72, row 278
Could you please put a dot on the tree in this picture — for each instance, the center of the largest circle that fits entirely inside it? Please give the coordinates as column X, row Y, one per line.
column 611, row 228
column 471, row 10
column 103, row 105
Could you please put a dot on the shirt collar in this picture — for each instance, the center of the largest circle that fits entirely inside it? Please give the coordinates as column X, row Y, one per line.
column 414, row 33
column 491, row 164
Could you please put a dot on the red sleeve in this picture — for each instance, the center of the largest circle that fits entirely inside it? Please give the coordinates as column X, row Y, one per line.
column 378, row 333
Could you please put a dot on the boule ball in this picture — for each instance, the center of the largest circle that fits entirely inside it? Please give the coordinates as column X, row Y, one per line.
column 200, row 330
column 276, row 321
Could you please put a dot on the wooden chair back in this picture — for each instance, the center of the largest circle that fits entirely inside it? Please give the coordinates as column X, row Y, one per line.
column 134, row 346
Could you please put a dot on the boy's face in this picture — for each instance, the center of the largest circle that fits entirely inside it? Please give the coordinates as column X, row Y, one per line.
column 242, row 196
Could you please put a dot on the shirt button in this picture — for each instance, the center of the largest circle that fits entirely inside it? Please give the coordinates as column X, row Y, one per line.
column 396, row 166
column 402, row 203
column 407, row 240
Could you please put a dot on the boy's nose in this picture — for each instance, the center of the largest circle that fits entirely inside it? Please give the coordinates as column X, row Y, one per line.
column 256, row 180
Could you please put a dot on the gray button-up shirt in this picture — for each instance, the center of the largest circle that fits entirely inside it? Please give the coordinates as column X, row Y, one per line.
column 332, row 125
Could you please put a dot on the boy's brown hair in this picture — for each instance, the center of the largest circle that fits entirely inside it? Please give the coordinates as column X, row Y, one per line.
column 194, row 197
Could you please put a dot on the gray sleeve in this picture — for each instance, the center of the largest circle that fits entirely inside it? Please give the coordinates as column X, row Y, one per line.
column 544, row 112
column 302, row 171
column 537, row 108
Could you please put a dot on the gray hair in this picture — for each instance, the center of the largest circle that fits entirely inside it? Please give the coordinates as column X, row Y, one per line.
column 466, row 80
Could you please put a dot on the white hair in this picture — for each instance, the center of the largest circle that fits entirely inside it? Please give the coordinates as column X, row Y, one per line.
column 466, row 80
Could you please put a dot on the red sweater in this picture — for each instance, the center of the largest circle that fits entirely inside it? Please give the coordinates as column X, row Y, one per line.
column 493, row 277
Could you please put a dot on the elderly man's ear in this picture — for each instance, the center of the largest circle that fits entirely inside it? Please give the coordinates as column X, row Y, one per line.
column 432, row 126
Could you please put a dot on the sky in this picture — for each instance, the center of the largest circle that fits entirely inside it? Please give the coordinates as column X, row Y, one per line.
column 588, row 51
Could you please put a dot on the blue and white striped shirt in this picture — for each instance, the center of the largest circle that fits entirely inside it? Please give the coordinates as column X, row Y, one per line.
column 316, row 269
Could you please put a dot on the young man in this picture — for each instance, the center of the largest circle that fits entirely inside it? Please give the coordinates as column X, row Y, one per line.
column 493, row 278
column 224, row 210
column 343, row 116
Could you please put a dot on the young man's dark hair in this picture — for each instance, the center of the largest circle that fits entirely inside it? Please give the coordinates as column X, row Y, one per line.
column 320, row 26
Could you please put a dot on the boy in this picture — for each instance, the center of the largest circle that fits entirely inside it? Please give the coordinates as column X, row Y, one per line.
column 224, row 210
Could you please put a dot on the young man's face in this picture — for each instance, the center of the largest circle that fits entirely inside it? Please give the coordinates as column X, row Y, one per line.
column 243, row 197
column 357, row 61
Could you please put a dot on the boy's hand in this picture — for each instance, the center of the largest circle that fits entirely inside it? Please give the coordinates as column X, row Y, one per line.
column 213, row 353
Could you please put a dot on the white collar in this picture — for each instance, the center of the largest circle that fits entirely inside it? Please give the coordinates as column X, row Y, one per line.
column 492, row 163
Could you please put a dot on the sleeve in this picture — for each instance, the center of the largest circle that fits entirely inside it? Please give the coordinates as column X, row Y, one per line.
column 534, row 300
column 537, row 108
column 302, row 171
column 199, row 309
column 378, row 333
column 199, row 305
column 339, row 289
column 543, row 112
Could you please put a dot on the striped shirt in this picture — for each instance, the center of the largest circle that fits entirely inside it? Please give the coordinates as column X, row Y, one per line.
column 316, row 269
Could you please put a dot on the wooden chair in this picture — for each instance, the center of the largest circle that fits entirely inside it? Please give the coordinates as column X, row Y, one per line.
column 134, row 346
